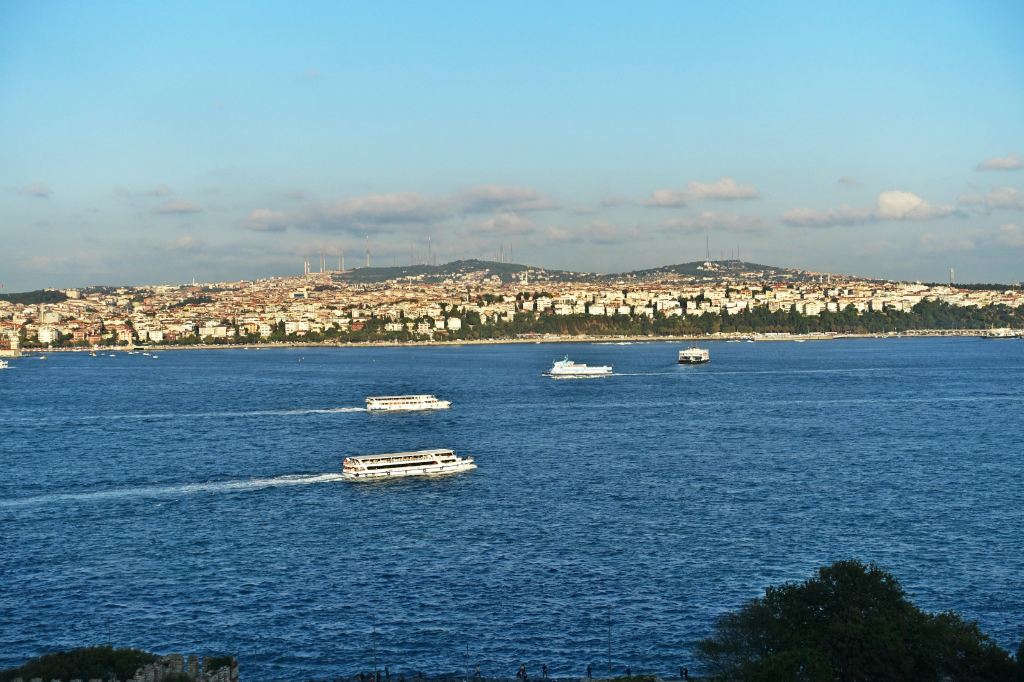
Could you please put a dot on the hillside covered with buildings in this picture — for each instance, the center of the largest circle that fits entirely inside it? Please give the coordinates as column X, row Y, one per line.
column 484, row 300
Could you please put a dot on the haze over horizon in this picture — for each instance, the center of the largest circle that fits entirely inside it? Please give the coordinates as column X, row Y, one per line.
column 153, row 143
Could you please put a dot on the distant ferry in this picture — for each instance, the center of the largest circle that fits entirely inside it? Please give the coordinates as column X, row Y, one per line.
column 694, row 356
column 566, row 368
column 405, row 403
column 398, row 464
column 4, row 364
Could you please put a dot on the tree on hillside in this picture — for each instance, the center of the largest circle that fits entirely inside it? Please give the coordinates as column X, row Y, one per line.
column 852, row 621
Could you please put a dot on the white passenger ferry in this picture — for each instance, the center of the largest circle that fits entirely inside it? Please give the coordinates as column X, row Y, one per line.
column 567, row 369
column 398, row 464
column 694, row 356
column 4, row 364
column 405, row 403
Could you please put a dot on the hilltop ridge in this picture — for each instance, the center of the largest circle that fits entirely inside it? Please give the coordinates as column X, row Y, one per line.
column 708, row 270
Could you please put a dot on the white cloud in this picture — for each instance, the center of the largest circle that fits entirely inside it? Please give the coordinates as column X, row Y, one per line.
column 891, row 205
column 559, row 234
column 1011, row 235
column 844, row 215
column 177, row 207
column 36, row 189
column 710, row 221
column 186, row 243
column 667, row 198
column 377, row 209
column 723, row 189
column 897, row 205
column 266, row 220
column 1002, row 163
column 485, row 198
column 391, row 211
column 998, row 197
column 603, row 232
column 507, row 223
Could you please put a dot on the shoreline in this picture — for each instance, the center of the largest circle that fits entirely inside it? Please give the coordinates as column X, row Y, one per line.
column 734, row 337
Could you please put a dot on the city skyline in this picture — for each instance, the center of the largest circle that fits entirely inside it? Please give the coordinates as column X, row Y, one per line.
column 153, row 144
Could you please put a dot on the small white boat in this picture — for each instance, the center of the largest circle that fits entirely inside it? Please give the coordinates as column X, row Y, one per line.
column 694, row 356
column 400, row 464
column 4, row 364
column 567, row 369
column 405, row 403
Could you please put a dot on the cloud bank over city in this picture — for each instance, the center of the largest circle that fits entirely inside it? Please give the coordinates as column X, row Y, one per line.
column 611, row 156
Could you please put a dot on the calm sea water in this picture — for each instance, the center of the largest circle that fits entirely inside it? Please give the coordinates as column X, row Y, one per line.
column 192, row 503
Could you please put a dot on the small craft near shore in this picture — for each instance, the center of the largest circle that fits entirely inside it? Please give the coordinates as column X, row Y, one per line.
column 439, row 462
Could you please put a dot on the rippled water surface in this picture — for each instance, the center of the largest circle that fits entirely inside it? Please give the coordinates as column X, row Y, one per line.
column 193, row 502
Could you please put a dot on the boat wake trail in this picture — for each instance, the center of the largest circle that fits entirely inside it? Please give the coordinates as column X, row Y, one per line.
column 214, row 415
column 238, row 485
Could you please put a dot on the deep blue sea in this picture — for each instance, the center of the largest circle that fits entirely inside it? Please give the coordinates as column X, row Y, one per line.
column 193, row 503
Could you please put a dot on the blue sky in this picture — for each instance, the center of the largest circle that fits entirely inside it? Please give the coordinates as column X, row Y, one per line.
column 153, row 142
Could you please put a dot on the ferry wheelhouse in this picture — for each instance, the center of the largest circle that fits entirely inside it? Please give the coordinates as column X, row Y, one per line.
column 694, row 356
column 566, row 369
column 405, row 403
column 397, row 464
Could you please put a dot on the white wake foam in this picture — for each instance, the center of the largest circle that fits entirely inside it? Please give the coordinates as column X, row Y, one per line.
column 208, row 415
column 238, row 485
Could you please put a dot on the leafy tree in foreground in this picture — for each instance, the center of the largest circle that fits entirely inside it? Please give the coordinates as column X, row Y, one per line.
column 852, row 621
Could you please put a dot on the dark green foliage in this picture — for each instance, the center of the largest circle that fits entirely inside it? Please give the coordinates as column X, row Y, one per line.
column 992, row 286
column 35, row 297
column 93, row 662
column 852, row 621
column 193, row 300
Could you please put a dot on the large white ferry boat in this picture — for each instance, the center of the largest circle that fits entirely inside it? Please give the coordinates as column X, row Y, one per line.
column 405, row 403
column 398, row 464
column 694, row 356
column 566, row 369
